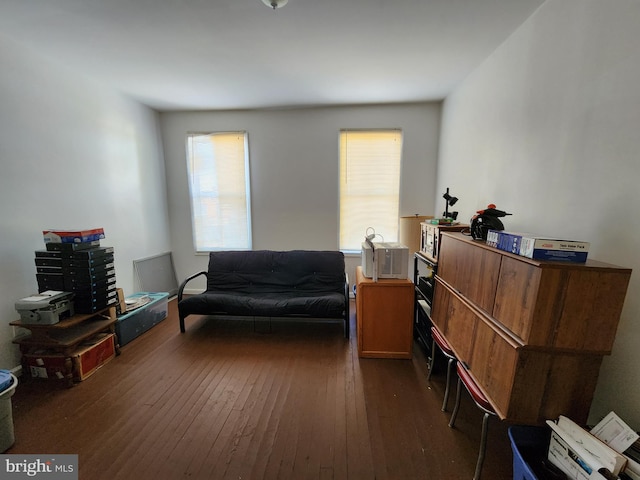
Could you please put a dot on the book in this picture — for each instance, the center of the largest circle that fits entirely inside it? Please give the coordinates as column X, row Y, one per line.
column 538, row 247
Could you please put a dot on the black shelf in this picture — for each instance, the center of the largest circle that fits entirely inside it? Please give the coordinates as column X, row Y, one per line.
column 424, row 280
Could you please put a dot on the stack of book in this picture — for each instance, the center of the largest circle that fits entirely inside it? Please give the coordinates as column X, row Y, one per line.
column 538, row 247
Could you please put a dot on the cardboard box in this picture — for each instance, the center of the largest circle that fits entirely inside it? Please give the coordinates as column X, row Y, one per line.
column 73, row 236
column 93, row 355
column 506, row 241
column 45, row 364
column 121, row 307
column 567, row 459
column 537, row 247
column 85, row 360
column 541, row 248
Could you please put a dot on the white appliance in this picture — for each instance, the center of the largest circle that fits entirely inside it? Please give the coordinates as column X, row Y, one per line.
column 384, row 260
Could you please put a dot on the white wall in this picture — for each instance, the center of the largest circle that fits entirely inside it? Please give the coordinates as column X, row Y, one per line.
column 294, row 171
column 548, row 129
column 73, row 155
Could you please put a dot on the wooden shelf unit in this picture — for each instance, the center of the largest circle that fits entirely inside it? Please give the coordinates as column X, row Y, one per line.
column 425, row 266
column 424, row 270
column 532, row 333
column 65, row 336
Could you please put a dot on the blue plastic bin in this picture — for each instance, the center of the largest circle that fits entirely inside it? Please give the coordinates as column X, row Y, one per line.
column 7, row 438
column 530, row 445
column 5, row 379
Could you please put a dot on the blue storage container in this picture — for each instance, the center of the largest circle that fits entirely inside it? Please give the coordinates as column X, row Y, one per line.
column 530, row 445
column 5, row 379
column 134, row 323
column 7, row 435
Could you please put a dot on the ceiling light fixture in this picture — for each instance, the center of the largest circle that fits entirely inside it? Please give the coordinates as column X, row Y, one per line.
column 275, row 3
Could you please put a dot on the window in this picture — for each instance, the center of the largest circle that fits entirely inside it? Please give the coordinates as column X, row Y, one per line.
column 369, row 185
column 218, row 170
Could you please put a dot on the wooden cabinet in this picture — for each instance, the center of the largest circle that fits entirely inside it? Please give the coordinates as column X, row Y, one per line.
column 532, row 333
column 384, row 316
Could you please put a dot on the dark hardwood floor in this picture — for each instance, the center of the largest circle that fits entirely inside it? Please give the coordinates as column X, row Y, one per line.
column 238, row 400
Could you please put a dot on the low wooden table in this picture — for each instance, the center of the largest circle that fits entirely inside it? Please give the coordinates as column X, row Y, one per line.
column 64, row 337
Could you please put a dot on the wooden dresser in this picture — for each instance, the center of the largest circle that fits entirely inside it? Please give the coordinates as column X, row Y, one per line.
column 532, row 333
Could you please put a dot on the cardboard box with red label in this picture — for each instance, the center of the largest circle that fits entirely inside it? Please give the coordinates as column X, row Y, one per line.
column 85, row 360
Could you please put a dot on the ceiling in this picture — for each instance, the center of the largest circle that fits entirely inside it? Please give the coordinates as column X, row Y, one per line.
column 238, row 54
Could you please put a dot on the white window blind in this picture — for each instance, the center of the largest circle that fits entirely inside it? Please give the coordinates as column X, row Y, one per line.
column 369, row 185
column 218, row 170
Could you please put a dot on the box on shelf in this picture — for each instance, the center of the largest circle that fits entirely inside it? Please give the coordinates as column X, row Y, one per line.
column 505, row 241
column 137, row 321
column 73, row 236
column 86, row 359
column 538, row 247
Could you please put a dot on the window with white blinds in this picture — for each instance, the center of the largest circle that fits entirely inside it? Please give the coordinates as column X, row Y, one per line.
column 218, row 170
column 369, row 185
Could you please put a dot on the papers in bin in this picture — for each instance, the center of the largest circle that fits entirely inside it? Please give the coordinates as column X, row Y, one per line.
column 581, row 455
column 615, row 433
column 619, row 436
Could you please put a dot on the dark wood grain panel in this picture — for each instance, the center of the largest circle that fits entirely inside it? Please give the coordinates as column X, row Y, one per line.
column 535, row 346
column 473, row 272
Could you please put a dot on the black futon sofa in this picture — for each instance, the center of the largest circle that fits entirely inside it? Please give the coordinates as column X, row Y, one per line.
column 267, row 283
